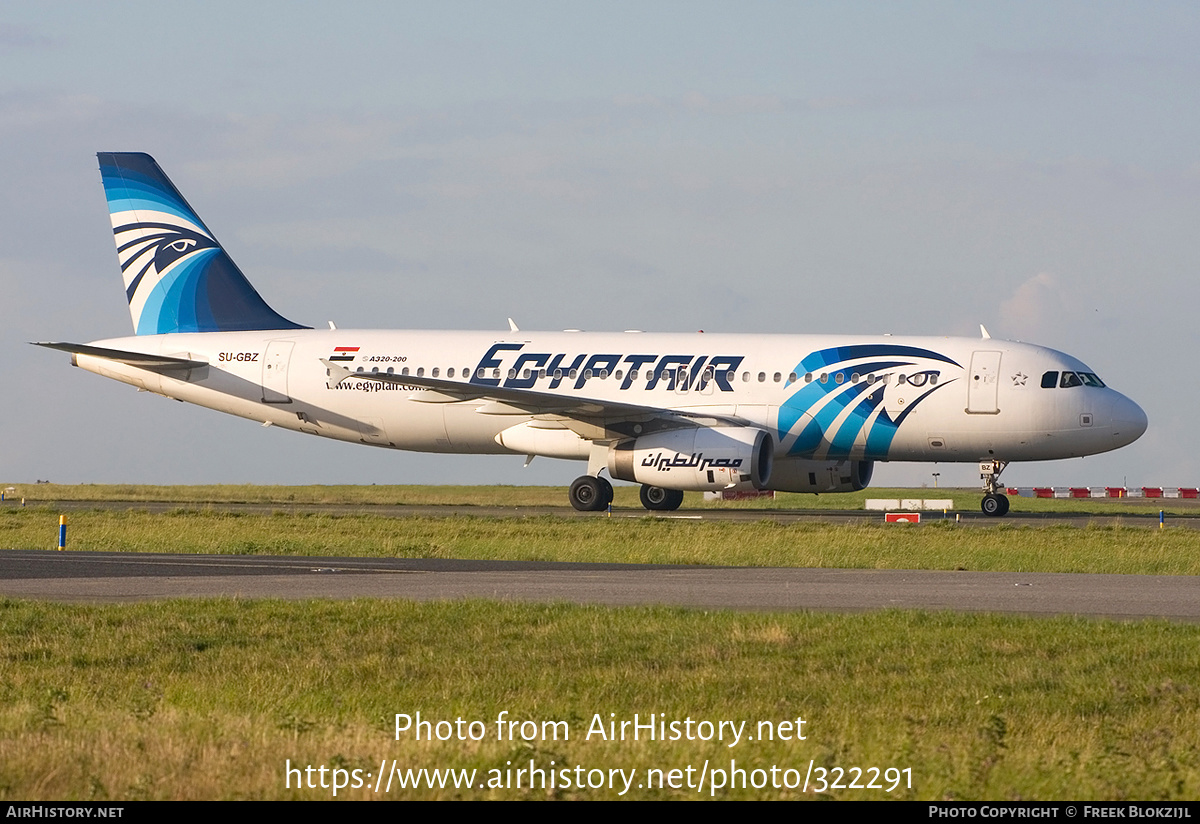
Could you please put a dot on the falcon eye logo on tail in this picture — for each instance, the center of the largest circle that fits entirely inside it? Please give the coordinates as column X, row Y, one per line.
column 177, row 276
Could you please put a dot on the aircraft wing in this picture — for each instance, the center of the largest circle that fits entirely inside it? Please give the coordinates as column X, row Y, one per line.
column 499, row 400
column 142, row 360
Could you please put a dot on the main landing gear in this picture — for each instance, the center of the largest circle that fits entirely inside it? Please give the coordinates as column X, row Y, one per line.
column 591, row 493
column 658, row 499
column 994, row 503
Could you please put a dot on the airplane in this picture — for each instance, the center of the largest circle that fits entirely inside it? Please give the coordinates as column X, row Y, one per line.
column 671, row 412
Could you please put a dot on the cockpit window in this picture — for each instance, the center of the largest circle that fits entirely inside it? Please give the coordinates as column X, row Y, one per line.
column 1049, row 380
column 1069, row 379
column 1090, row 380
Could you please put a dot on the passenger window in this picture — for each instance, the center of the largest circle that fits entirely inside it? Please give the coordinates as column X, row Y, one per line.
column 808, row 377
column 436, row 371
column 1069, row 379
column 778, row 377
column 792, row 377
column 1049, row 380
column 839, row 378
column 762, row 376
column 902, row 379
column 420, row 371
column 450, row 372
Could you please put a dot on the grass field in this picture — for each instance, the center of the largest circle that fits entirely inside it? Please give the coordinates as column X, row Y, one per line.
column 870, row 545
column 513, row 496
column 212, row 699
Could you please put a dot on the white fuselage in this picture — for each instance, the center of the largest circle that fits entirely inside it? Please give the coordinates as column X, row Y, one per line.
column 819, row 397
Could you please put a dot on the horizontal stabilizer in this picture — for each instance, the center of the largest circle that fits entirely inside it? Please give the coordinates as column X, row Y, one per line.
column 142, row 360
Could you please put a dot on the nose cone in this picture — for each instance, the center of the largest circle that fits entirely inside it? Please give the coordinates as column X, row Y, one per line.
column 1128, row 420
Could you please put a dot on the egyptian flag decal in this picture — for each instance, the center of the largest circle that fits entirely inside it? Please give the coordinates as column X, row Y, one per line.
column 343, row 353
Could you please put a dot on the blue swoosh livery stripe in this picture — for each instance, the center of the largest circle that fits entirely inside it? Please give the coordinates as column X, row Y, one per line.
column 855, row 403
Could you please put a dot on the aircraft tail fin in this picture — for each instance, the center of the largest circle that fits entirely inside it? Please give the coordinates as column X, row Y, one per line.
column 177, row 276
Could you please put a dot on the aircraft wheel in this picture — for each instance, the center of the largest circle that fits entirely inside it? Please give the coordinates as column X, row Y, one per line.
column 607, row 489
column 657, row 499
column 587, row 494
column 995, row 505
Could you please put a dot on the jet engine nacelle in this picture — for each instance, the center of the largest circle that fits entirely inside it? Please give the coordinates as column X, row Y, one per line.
column 696, row 459
column 806, row 475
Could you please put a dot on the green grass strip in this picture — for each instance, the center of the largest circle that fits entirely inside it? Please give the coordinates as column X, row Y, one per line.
column 965, row 500
column 1129, row 550
column 208, row 699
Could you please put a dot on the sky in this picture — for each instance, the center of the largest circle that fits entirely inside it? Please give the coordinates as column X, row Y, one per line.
column 909, row 168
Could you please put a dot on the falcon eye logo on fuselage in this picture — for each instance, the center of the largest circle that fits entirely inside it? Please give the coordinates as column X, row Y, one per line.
column 858, row 399
column 929, row 376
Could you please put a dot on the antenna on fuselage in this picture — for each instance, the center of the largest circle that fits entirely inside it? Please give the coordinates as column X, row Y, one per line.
column 984, row 332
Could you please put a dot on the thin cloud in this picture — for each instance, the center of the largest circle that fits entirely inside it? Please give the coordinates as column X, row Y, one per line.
column 1035, row 311
column 20, row 37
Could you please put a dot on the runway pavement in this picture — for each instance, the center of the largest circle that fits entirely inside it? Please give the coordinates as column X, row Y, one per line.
column 114, row 577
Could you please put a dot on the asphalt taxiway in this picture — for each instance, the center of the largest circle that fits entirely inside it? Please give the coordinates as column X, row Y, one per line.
column 117, row 577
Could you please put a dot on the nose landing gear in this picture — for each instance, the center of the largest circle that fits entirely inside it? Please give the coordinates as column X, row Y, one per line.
column 994, row 503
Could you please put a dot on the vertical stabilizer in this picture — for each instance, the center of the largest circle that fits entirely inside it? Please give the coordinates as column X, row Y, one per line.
column 177, row 276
